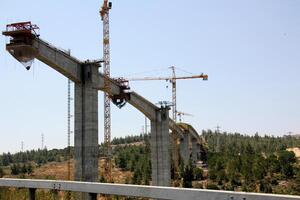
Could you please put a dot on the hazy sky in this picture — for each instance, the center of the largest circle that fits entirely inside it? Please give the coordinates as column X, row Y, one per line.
column 250, row 50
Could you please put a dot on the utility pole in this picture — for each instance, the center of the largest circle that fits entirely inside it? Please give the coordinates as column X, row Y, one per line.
column 218, row 129
column 22, row 146
column 69, row 136
column 69, row 131
column 42, row 147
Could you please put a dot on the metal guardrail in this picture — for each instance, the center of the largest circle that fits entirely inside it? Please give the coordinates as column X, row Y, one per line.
column 155, row 192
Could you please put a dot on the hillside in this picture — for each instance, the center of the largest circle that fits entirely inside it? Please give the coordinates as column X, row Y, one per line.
column 235, row 162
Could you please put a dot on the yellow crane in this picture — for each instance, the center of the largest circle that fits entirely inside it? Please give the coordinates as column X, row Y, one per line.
column 172, row 79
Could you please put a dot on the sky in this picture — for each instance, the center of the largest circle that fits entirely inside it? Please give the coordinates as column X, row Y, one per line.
column 249, row 49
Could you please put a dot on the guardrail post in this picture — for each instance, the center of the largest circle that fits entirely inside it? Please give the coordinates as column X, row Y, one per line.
column 92, row 196
column 55, row 194
column 32, row 193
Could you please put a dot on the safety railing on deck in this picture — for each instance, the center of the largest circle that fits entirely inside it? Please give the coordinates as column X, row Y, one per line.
column 155, row 192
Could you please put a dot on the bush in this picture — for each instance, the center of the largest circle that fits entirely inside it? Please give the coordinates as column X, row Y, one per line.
column 1, row 172
column 198, row 185
column 198, row 173
column 212, row 187
column 15, row 169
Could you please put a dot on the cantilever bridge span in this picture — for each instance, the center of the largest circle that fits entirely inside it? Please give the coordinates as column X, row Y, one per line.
column 24, row 45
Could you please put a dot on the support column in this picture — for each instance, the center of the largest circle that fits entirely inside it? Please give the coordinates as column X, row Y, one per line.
column 93, row 196
column 198, row 152
column 175, row 154
column 32, row 193
column 194, row 150
column 160, row 148
column 86, row 127
column 184, row 149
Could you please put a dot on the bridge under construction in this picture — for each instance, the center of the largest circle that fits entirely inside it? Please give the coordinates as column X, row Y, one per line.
column 25, row 45
column 169, row 140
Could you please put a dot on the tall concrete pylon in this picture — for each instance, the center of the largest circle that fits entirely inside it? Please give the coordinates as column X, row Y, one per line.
column 160, row 148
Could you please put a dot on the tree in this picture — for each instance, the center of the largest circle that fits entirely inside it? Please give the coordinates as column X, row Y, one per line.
column 188, row 175
column 273, row 164
column 286, row 159
column 181, row 169
column 146, row 171
column 15, row 169
column 1, row 172
column 259, row 168
column 23, row 169
column 6, row 159
column 296, row 185
column 265, row 186
column 29, row 169
column 198, row 173
column 137, row 177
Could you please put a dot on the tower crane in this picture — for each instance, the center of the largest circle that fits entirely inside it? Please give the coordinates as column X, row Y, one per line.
column 180, row 114
column 172, row 80
column 104, row 13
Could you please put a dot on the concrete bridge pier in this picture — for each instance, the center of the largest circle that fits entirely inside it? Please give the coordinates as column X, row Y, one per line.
column 184, row 148
column 194, row 150
column 175, row 153
column 198, row 151
column 86, row 127
column 160, row 148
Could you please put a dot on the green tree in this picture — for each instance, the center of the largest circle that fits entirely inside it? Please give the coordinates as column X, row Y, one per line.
column 188, row 175
column 296, row 185
column 259, row 168
column 15, row 169
column 265, row 186
column 1, row 172
column 198, row 173
column 137, row 176
column 29, row 169
column 273, row 164
column 286, row 160
column 23, row 169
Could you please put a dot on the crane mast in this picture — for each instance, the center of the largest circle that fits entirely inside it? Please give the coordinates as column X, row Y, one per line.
column 106, row 69
column 173, row 80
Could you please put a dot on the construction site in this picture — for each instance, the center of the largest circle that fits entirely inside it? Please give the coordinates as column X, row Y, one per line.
column 174, row 144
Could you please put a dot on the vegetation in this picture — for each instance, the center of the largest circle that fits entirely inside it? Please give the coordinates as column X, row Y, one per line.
column 38, row 156
column 235, row 162
column 135, row 159
column 252, row 163
column 130, row 139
